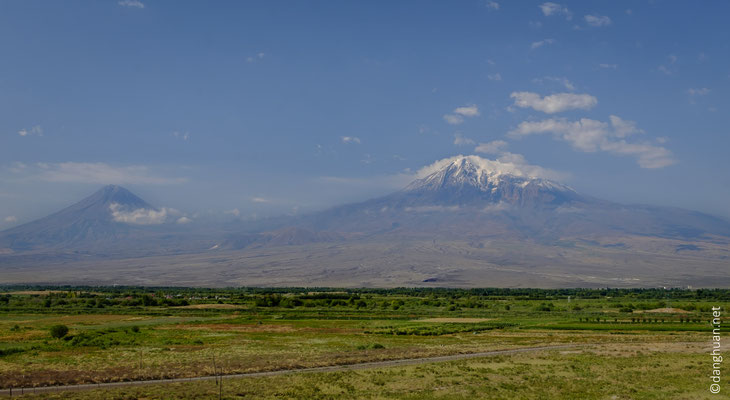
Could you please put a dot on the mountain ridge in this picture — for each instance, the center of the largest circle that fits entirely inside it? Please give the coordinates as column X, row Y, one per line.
column 458, row 224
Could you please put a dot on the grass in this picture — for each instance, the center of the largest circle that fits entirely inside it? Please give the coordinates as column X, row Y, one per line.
column 194, row 333
column 603, row 372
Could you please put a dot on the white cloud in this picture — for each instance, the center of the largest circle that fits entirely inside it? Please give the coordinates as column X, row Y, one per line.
column 457, row 116
column 541, row 43
column 514, row 164
column 11, row 219
column 597, row 20
column 140, row 216
column 698, row 92
column 183, row 220
column 554, row 103
column 100, row 173
column 493, row 147
column 35, row 130
column 495, row 77
column 550, row 8
column 467, row 111
column 623, row 128
column 350, row 139
column 589, row 135
column 260, row 200
column 131, row 3
column 453, row 119
column 608, row 66
column 461, row 140
column 492, row 5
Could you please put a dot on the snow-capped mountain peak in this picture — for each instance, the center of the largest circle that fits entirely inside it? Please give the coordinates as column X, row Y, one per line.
column 468, row 179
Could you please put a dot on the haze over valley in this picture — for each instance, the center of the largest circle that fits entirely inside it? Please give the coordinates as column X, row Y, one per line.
column 468, row 222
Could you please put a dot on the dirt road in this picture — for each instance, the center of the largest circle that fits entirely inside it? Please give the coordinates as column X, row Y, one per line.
column 344, row 367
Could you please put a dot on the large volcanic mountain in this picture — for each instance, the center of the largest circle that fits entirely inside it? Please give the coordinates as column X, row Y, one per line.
column 471, row 196
column 466, row 221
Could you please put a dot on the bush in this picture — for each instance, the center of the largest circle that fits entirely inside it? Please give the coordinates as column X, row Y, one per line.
column 59, row 331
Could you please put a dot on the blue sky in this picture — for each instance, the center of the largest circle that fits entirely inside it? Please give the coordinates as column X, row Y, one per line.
column 287, row 106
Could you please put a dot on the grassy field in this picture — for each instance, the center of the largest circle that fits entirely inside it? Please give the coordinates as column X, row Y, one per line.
column 122, row 334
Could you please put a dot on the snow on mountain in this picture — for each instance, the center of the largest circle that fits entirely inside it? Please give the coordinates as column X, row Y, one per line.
column 472, row 179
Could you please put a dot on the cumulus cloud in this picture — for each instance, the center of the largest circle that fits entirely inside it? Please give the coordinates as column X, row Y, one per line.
column 140, row 216
column 513, row 164
column 554, row 103
column 608, row 66
column 184, row 220
column 11, row 219
column 36, row 130
column 494, row 77
column 541, row 43
column 461, row 140
column 588, row 135
column 550, row 8
column 350, row 139
column 453, row 119
column 101, row 173
column 597, row 20
column 493, row 147
column 131, row 3
column 260, row 200
column 467, row 111
column 492, row 5
column 457, row 116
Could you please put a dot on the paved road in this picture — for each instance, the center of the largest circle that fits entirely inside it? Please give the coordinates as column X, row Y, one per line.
column 344, row 367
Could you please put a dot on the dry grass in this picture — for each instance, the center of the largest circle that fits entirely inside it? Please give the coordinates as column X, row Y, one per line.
column 554, row 375
column 455, row 320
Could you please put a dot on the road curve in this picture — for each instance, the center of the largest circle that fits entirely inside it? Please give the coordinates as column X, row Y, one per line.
column 332, row 368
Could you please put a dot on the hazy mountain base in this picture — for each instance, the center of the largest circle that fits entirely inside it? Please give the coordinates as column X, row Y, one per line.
column 390, row 261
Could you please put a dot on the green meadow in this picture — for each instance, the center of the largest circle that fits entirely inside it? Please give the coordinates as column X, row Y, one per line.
column 115, row 334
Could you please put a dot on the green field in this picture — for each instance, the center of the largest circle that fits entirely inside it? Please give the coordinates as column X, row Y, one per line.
column 129, row 333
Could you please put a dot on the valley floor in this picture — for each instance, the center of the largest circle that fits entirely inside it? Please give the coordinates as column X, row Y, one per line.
column 623, row 344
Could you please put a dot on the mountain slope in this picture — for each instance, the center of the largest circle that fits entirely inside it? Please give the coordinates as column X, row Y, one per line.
column 465, row 221
column 472, row 197
column 112, row 219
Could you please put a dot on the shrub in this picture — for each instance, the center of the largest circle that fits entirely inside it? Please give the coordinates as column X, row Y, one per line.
column 59, row 331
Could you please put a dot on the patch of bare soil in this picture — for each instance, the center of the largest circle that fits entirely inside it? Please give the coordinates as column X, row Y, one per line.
column 666, row 310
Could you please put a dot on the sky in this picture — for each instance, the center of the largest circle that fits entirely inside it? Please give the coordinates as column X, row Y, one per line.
column 248, row 109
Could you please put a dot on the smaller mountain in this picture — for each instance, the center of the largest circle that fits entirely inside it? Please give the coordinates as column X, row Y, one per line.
column 105, row 216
